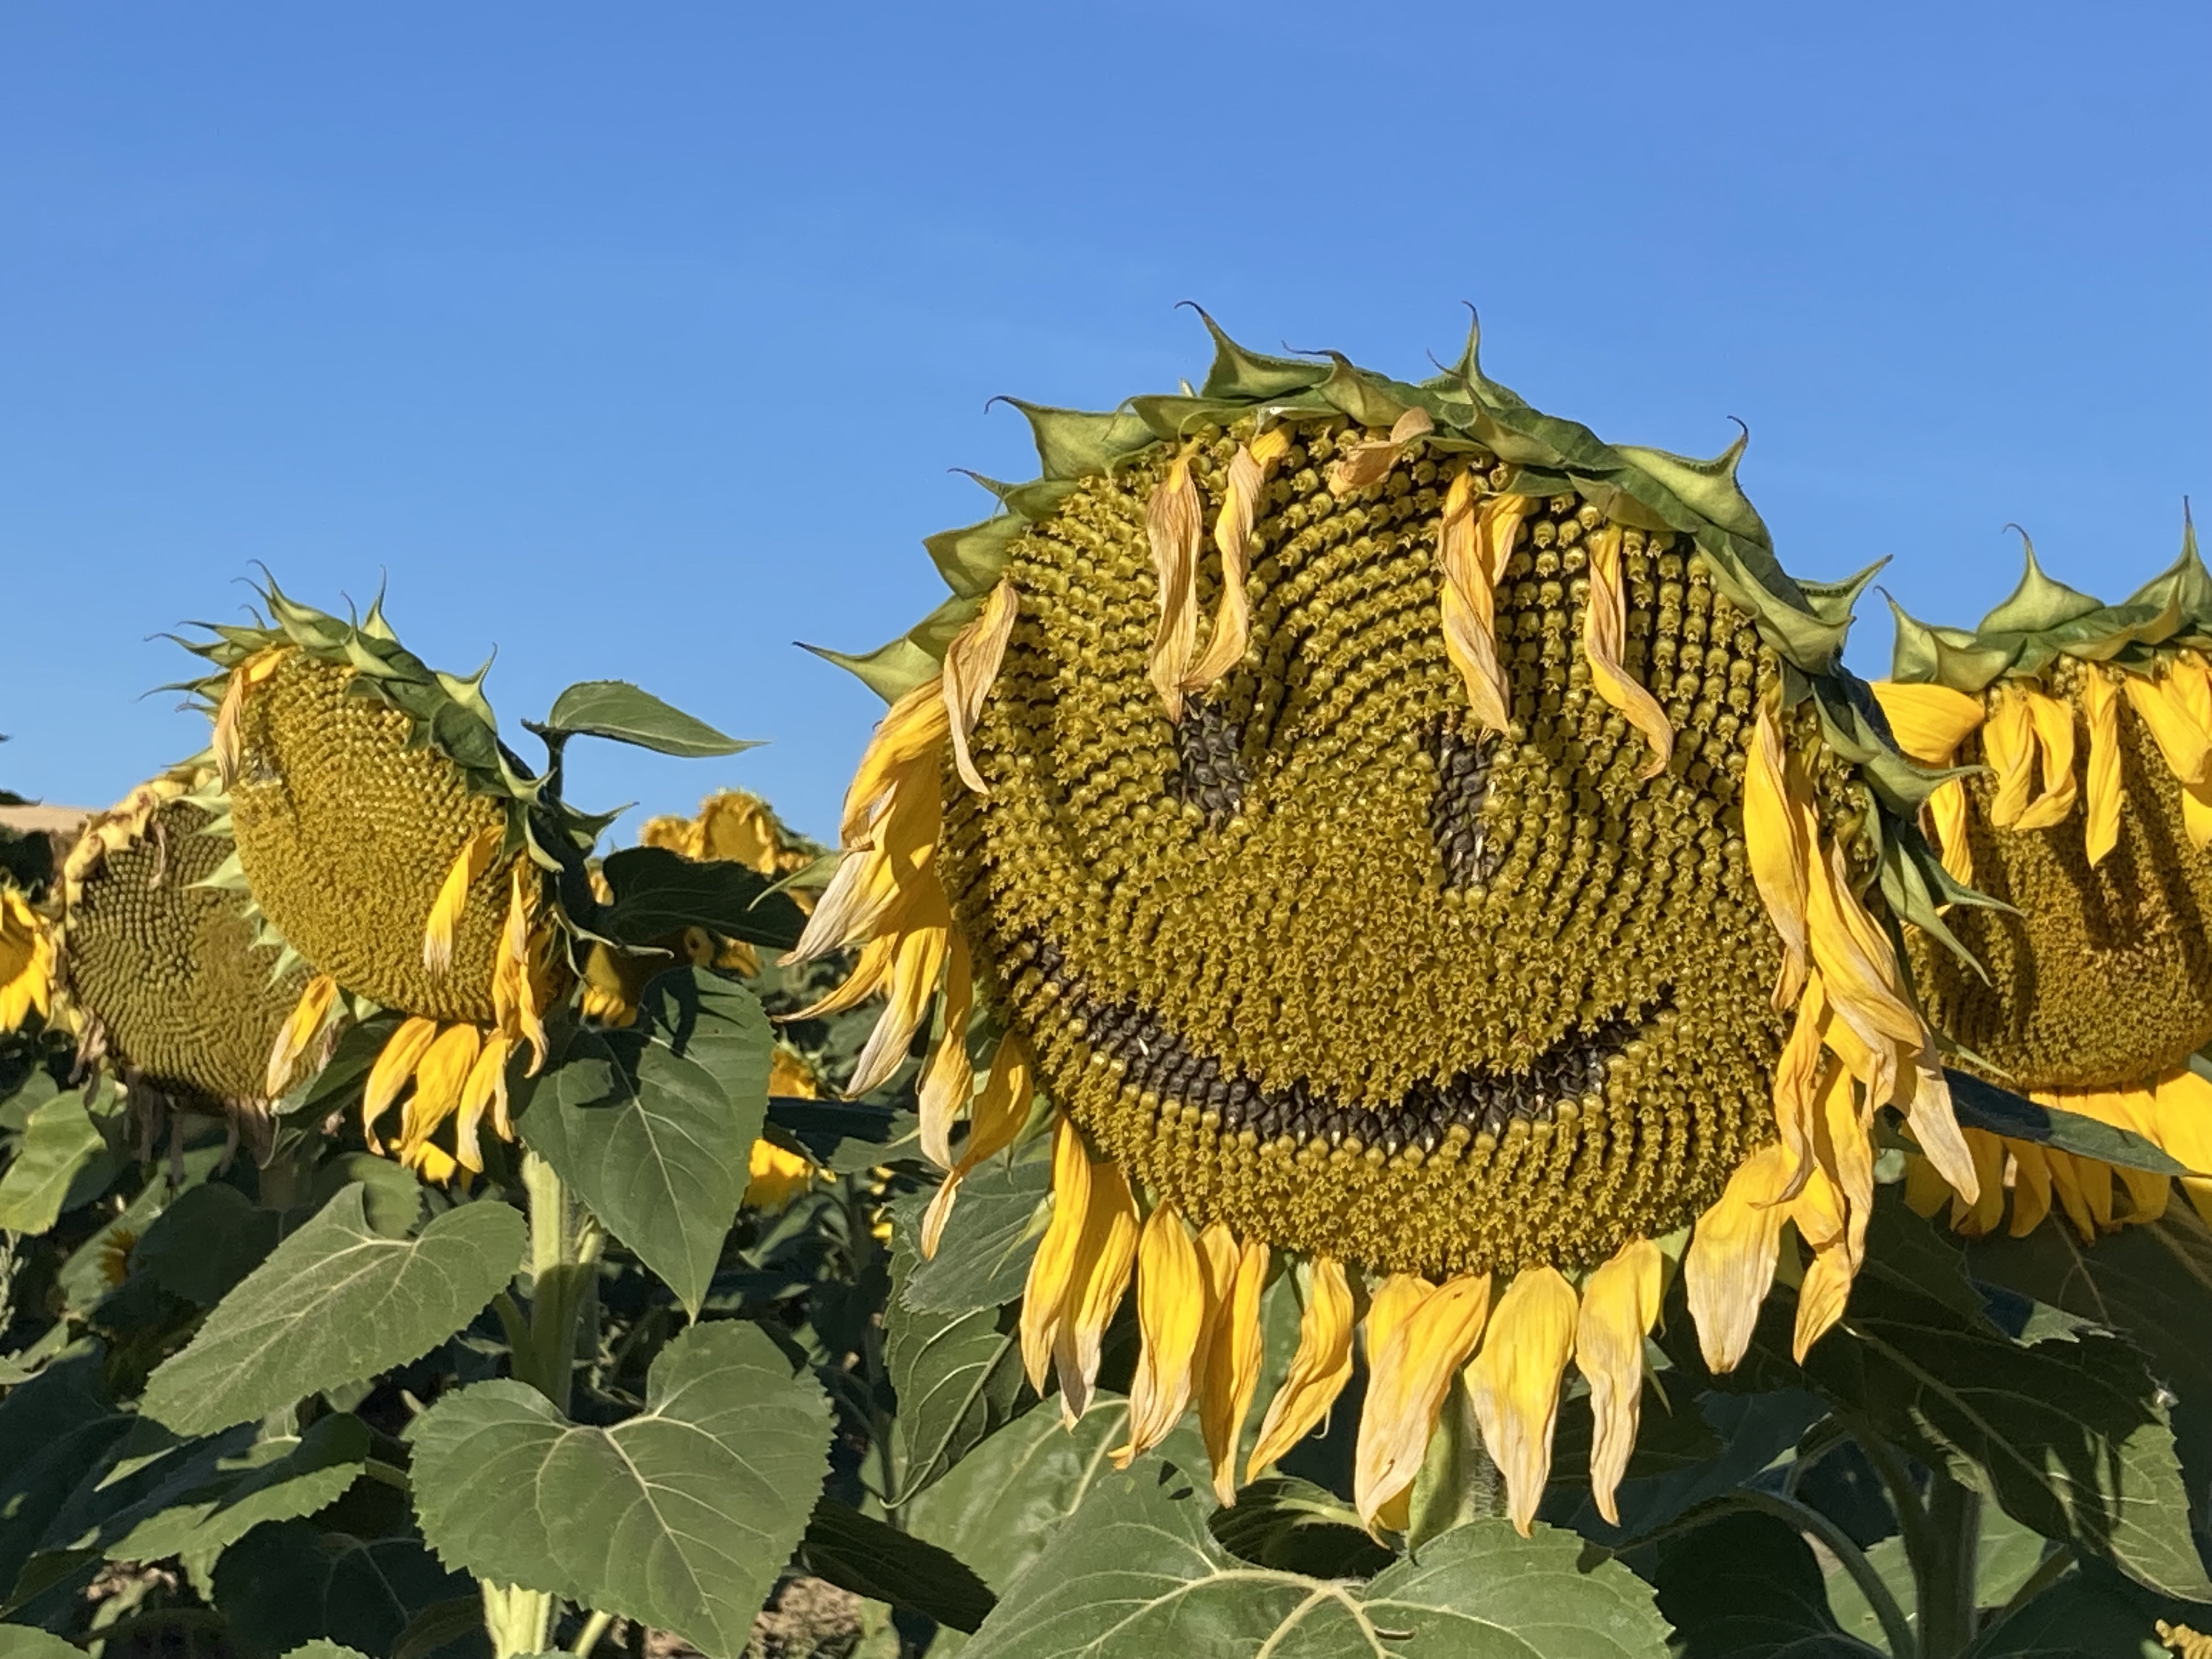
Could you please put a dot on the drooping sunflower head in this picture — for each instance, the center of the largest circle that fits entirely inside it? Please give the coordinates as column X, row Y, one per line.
column 385, row 832
column 2082, row 734
column 162, row 973
column 2087, row 809
column 1398, row 830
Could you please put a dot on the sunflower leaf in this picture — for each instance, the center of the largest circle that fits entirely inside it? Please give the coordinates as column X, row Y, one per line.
column 62, row 1152
column 658, row 893
column 985, row 1255
column 1135, row 1572
column 1747, row 1587
column 1983, row 1105
column 652, row 1126
column 336, row 1302
column 619, row 710
column 958, row 1380
column 290, row 1584
column 681, row 1516
column 277, row 1479
column 860, row 1554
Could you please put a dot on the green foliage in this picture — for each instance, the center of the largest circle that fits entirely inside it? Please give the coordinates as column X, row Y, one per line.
column 619, row 710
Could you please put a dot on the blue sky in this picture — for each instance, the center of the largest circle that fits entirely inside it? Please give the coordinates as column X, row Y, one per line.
column 639, row 341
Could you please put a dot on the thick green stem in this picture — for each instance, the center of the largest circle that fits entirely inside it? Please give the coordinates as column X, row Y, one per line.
column 1946, row 1580
column 1457, row 1482
column 564, row 1278
column 1896, row 1627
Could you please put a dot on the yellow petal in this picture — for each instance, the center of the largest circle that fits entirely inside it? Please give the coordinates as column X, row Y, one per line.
column 394, row 1066
column 998, row 1115
column 2100, row 707
column 2182, row 1104
column 246, row 675
column 487, row 1082
column 1172, row 525
column 2030, row 1187
column 1367, row 460
column 1515, row 1384
column 299, row 1031
column 1730, row 1262
column 971, row 663
column 445, row 910
column 1236, row 1277
column 1928, row 721
column 1621, row 1305
column 438, row 1081
column 1774, row 839
column 1927, row 1194
column 1467, row 550
column 1232, row 534
column 2008, row 747
column 1605, row 630
column 1857, row 961
column 1053, row 1267
column 2180, row 739
column 1103, row 1257
column 949, row 1078
column 1977, row 1219
column 1171, row 1316
column 906, row 745
column 1319, row 1370
column 1826, row 1285
column 774, row 1176
column 1796, row 1079
column 2053, row 722
column 1411, row 1365
column 1924, row 1093
column 2083, row 1191
column 1947, row 820
column 915, row 966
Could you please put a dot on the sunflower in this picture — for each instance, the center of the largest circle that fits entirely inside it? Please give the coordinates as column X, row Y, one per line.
column 161, row 971
column 26, row 959
column 384, row 831
column 2082, row 735
column 1411, row 843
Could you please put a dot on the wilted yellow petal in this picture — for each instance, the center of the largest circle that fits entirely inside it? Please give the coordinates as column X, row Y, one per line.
column 2030, row 1187
column 1411, row 1363
column 1819, row 1215
column 915, row 966
column 1053, row 1267
column 2100, row 707
column 1775, row 839
column 2008, row 747
column 971, row 663
column 1620, row 1304
column 997, row 1116
column 2053, row 724
column 1467, row 541
column 1236, row 1277
column 1927, row 1194
column 1947, row 823
column 487, row 1082
column 438, row 1078
column 907, row 744
column 1171, row 1315
column 1857, row 962
column 1928, row 721
column 1366, row 460
column 299, row 1031
column 1103, row 1257
column 1605, row 631
column 1976, row 1218
column 1924, row 1093
column 1172, row 525
column 1730, row 1262
column 1232, row 534
column 1319, row 1370
column 949, row 1076
column 2182, row 1105
column 2180, row 739
column 1515, row 1383
column 1796, row 1079
column 395, row 1065
column 445, row 910
column 246, row 675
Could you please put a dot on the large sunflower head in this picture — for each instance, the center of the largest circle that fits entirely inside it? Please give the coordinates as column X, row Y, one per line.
column 2082, row 734
column 1401, row 833
column 164, row 975
column 26, row 959
column 394, row 842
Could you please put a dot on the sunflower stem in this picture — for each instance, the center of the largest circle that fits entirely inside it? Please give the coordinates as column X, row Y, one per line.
column 1896, row 1627
column 1946, row 1583
column 1458, row 1483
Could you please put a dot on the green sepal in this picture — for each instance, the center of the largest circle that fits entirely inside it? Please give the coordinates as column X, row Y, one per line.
column 1242, row 376
column 970, row 559
column 1073, row 444
column 2039, row 604
column 914, row 659
column 1926, row 655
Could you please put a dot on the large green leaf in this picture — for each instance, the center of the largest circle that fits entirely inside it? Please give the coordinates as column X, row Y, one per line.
column 25, row 1642
column 277, row 1479
column 205, row 1242
column 984, row 1256
column 56, row 1433
column 1684, row 1456
column 1134, row 1573
column 1295, row 1526
column 286, row 1584
column 617, row 709
column 658, row 893
column 681, row 1516
column 958, row 1377
column 1747, row 1587
column 60, row 1143
column 1983, row 1105
column 336, row 1302
column 868, row 1556
column 2090, row 1614
column 653, row 1127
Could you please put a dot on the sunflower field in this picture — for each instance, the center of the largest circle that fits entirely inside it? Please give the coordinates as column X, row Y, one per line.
column 1395, row 1059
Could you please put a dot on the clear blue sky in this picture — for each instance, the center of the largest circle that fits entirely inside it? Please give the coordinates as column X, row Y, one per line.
column 638, row 341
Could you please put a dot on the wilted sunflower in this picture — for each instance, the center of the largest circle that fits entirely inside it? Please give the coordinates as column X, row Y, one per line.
column 2088, row 727
column 391, row 838
column 1403, row 834
column 161, row 972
